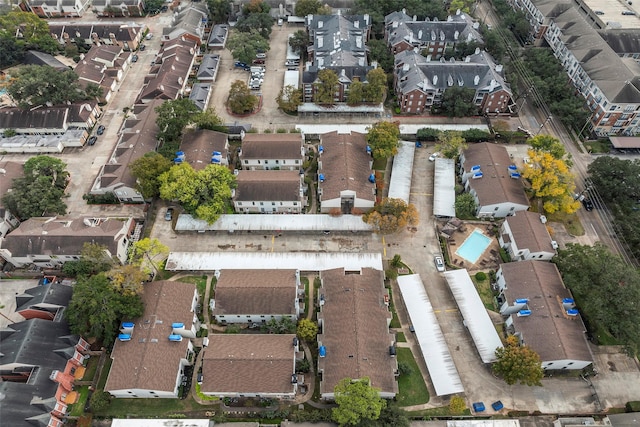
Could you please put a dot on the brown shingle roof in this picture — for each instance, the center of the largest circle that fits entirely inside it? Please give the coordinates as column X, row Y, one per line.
column 548, row 331
column 199, row 145
column 529, row 232
column 346, row 165
column 496, row 186
column 354, row 330
column 268, row 186
column 272, row 146
column 150, row 361
column 248, row 364
column 255, row 292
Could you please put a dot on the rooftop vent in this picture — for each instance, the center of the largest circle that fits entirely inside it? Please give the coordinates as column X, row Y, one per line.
column 175, row 338
column 124, row 337
column 524, row 313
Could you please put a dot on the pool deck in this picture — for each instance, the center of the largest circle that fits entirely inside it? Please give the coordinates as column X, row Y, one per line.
column 490, row 258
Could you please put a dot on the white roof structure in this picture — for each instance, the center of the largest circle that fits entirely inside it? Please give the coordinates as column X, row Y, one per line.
column 292, row 78
column 269, row 222
column 400, row 183
column 475, row 314
column 442, row 370
column 404, row 129
column 304, row 261
column 484, row 423
column 444, row 188
column 183, row 422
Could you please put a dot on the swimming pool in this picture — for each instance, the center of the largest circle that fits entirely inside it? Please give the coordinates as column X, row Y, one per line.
column 473, row 246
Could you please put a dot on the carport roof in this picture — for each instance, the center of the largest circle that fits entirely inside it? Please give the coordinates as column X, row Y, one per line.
column 625, row 141
column 475, row 315
column 444, row 191
column 400, row 184
column 303, row 261
column 433, row 346
column 276, row 222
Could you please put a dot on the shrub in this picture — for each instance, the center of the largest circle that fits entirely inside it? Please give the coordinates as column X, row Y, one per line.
column 427, row 134
column 391, row 274
column 405, row 368
column 281, row 130
column 267, row 131
column 457, row 405
column 99, row 401
column 481, row 276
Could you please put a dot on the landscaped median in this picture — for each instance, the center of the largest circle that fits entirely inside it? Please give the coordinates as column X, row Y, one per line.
column 412, row 389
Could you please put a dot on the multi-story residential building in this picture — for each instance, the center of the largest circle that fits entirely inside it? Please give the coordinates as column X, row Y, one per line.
column 104, row 66
column 489, row 176
column 115, row 8
column 50, row 242
column 431, row 37
column 345, row 181
column 127, row 35
column 264, row 191
column 272, row 151
column 525, row 237
column 204, row 147
column 420, row 82
column 189, row 23
column 609, row 84
column 151, row 353
column 57, row 8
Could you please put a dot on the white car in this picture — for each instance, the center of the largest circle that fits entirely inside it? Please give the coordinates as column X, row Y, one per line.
column 432, row 158
column 439, row 263
column 261, row 55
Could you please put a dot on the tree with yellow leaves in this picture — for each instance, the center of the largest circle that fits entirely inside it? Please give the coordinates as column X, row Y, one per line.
column 551, row 182
column 391, row 215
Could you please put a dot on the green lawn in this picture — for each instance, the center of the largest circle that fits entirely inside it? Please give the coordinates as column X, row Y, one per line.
column 412, row 389
column 105, row 373
column 92, row 365
column 485, row 292
column 571, row 222
column 400, row 337
column 199, row 281
column 443, row 411
column 77, row 408
column 149, row 408
column 380, row 164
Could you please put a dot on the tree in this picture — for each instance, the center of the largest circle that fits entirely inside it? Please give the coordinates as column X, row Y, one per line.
column 40, row 191
column 283, row 326
column 465, row 205
column 307, row 330
column 34, row 85
column 153, row 6
column 256, row 6
column 241, row 100
column 551, row 182
column 450, row 144
column 99, row 401
column 383, row 139
column 462, row 5
column 289, row 99
column 219, row 10
column 28, row 30
column 606, row 290
column 379, row 52
column 210, row 120
column 146, row 170
column 245, row 46
column 172, row 118
column 93, row 260
column 11, row 52
column 262, row 22
column 517, row 363
column 391, row 215
column 494, row 44
column 376, row 86
column 326, row 87
column 206, row 193
column 299, row 42
column 357, row 401
column 458, row 102
column 457, row 405
column 146, row 253
column 390, row 416
column 128, row 279
column 548, row 144
column 356, row 93
column 96, row 308
column 307, row 7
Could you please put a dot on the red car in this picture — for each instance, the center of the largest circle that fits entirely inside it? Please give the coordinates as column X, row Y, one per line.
column 258, row 61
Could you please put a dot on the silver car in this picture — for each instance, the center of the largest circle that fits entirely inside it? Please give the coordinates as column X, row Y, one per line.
column 439, row 263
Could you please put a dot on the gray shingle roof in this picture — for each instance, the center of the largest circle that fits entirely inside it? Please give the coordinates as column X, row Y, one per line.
column 208, row 67
column 53, row 294
column 529, row 232
column 270, row 186
column 338, row 40
column 199, row 94
column 402, row 28
column 218, row 35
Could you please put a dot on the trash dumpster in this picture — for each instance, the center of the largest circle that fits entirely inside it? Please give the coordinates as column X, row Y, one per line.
column 478, row 407
column 497, row 405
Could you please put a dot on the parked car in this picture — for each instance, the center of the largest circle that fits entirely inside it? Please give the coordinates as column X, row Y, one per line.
column 92, row 140
column 100, row 130
column 149, row 36
column 258, row 61
column 168, row 216
column 134, row 58
column 142, row 47
column 164, row 8
column 261, row 56
column 588, row 205
column 280, row 22
column 292, row 62
column 439, row 263
column 432, row 158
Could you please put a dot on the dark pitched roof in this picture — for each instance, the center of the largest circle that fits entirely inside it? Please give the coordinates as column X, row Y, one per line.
column 267, row 186
column 457, row 28
column 339, row 40
column 199, row 145
column 33, row 57
column 346, row 165
column 53, row 294
column 345, row 74
column 248, row 364
column 548, row 331
column 57, row 236
column 218, row 35
column 623, row 40
column 208, row 67
column 27, row 405
column 355, row 331
column 272, row 146
column 149, row 361
column 122, row 31
column 496, row 185
column 37, row 118
column 256, row 292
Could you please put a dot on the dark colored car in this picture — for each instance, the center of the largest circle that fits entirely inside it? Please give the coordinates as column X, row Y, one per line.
column 588, row 204
column 92, row 140
column 100, row 130
column 258, row 61
column 134, row 58
column 142, row 47
column 168, row 216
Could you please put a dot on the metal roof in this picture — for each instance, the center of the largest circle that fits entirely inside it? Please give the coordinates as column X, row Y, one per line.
column 271, row 222
column 404, row 129
column 304, row 261
column 400, row 183
column 442, row 370
column 475, row 314
column 444, row 188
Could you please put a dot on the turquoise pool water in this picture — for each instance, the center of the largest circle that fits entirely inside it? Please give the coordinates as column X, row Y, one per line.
column 473, row 246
